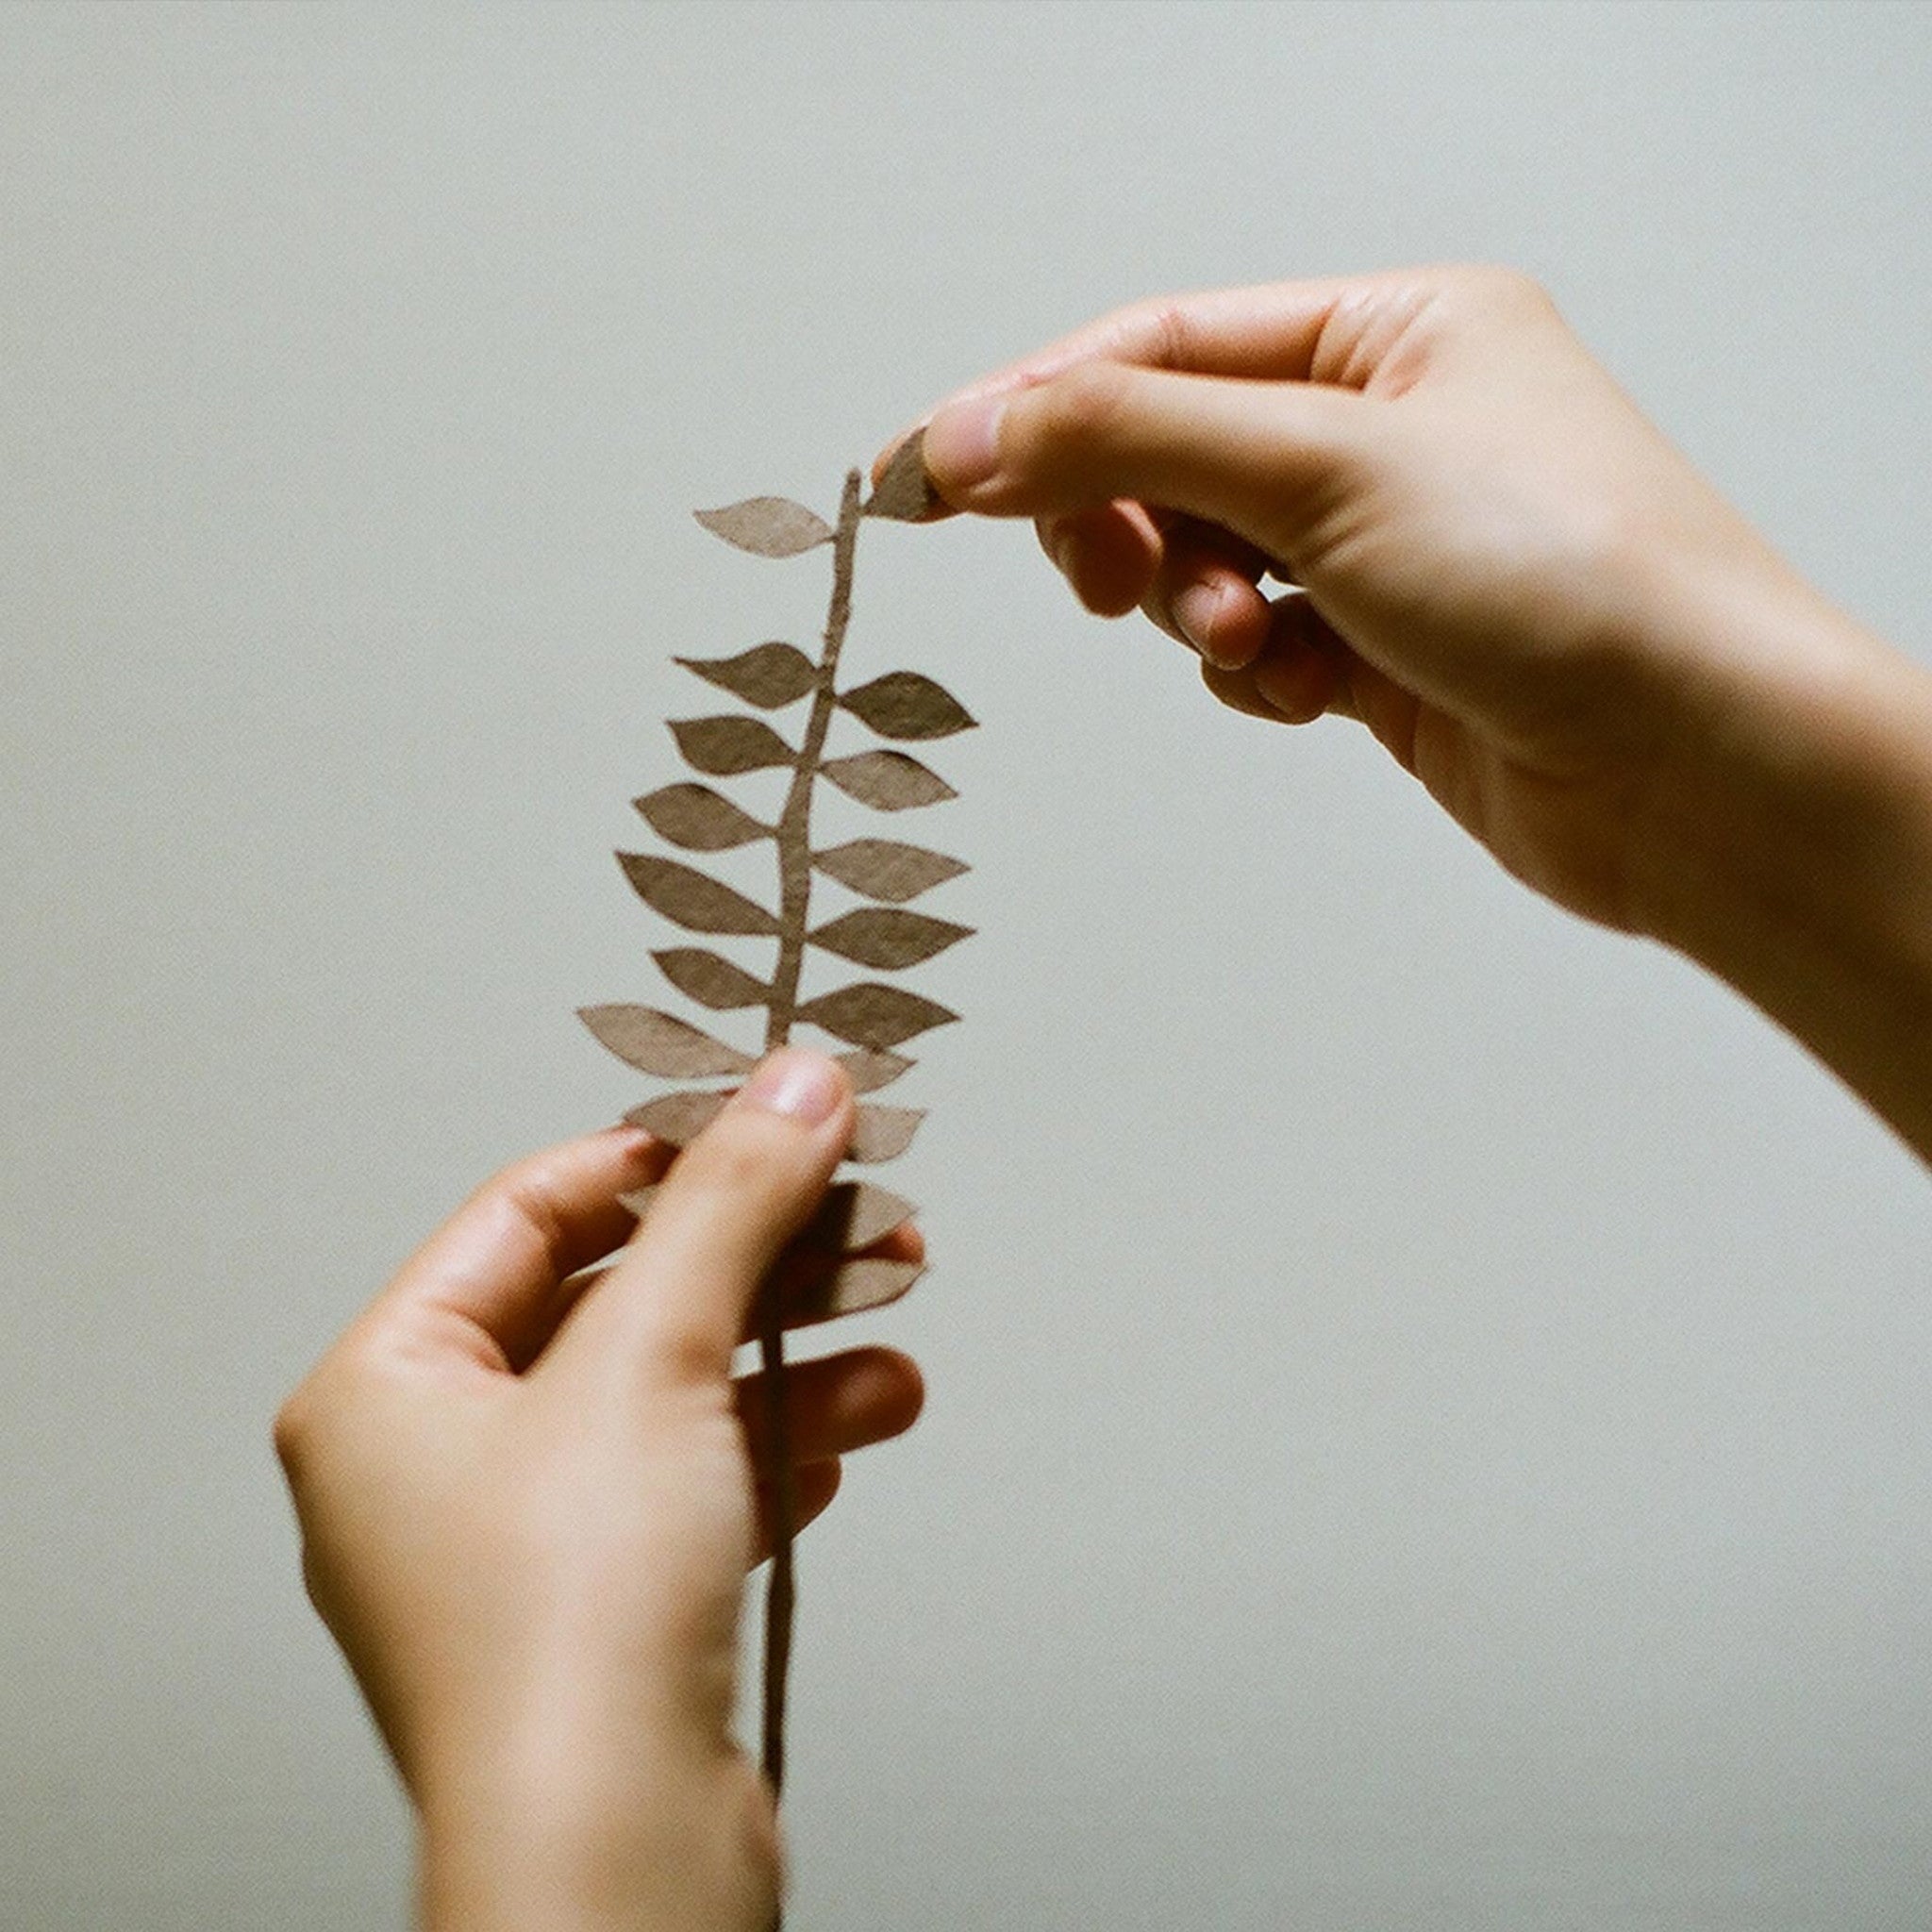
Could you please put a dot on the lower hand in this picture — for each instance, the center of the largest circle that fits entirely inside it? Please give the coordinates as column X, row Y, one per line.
column 527, row 1505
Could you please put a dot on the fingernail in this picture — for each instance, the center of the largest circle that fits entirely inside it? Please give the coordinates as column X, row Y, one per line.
column 805, row 1087
column 1195, row 610
column 962, row 442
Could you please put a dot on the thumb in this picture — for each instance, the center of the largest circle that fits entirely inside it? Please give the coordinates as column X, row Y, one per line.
column 674, row 1304
column 1266, row 460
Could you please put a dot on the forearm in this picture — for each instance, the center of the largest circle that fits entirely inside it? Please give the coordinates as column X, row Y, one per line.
column 1795, row 854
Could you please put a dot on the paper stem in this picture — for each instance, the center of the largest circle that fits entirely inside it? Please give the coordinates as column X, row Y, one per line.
column 794, row 822
column 794, row 884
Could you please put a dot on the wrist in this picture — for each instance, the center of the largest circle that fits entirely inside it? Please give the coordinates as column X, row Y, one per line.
column 546, row 1847
column 1790, row 850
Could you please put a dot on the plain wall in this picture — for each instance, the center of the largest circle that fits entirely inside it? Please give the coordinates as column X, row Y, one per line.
column 1428, row 1419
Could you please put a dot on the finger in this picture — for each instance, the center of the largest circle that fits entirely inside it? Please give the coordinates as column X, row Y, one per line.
column 834, row 1403
column 1108, row 555
column 490, row 1283
column 1264, row 460
column 795, row 1277
column 1302, row 667
column 1295, row 682
column 1205, row 594
column 1304, row 671
column 1236, row 689
column 1349, row 331
column 675, row 1302
column 1281, row 331
column 813, row 1486
column 1272, row 333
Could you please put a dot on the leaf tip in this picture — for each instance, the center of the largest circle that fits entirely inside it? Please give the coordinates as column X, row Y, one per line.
column 903, row 492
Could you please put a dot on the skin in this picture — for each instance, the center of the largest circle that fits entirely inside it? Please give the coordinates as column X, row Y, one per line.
column 527, row 1494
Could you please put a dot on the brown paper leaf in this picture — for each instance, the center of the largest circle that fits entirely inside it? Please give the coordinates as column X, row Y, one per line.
column 655, row 1042
column 852, row 1215
column 903, row 492
column 874, row 935
column 884, row 1133
column 690, row 899
column 870, row 1071
column 883, row 869
column 709, row 979
column 887, row 780
column 678, row 1119
column 767, row 526
column 863, row 1282
column 725, row 746
column 902, row 703
column 870, row 1014
column 699, row 819
column 767, row 675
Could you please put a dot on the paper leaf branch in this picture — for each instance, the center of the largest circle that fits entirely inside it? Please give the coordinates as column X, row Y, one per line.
column 827, row 1270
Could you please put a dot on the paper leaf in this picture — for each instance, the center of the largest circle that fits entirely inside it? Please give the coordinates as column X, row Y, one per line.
column 655, row 1042
column 884, row 1133
column 902, row 703
column 688, row 898
column 882, row 869
column 870, row 1014
column 767, row 675
column 870, row 1071
column 854, row 1215
column 874, row 935
column 699, row 819
column 710, row 981
column 887, row 780
column 767, row 526
column 678, row 1119
column 904, row 493
column 723, row 747
column 861, row 1282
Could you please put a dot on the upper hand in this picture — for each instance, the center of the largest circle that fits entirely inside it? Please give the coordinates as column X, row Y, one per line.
column 1503, row 571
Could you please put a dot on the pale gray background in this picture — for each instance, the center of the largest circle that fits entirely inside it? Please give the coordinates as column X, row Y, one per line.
column 1429, row 1415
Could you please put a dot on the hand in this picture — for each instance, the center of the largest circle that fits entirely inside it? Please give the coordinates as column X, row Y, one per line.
column 1580, row 650
column 1504, row 565
column 528, row 1509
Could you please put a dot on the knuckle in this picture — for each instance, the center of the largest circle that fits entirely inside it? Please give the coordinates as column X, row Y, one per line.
column 293, row 1430
column 1501, row 288
column 526, row 1192
column 1160, row 330
column 315, row 1584
column 1083, row 404
column 735, row 1161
